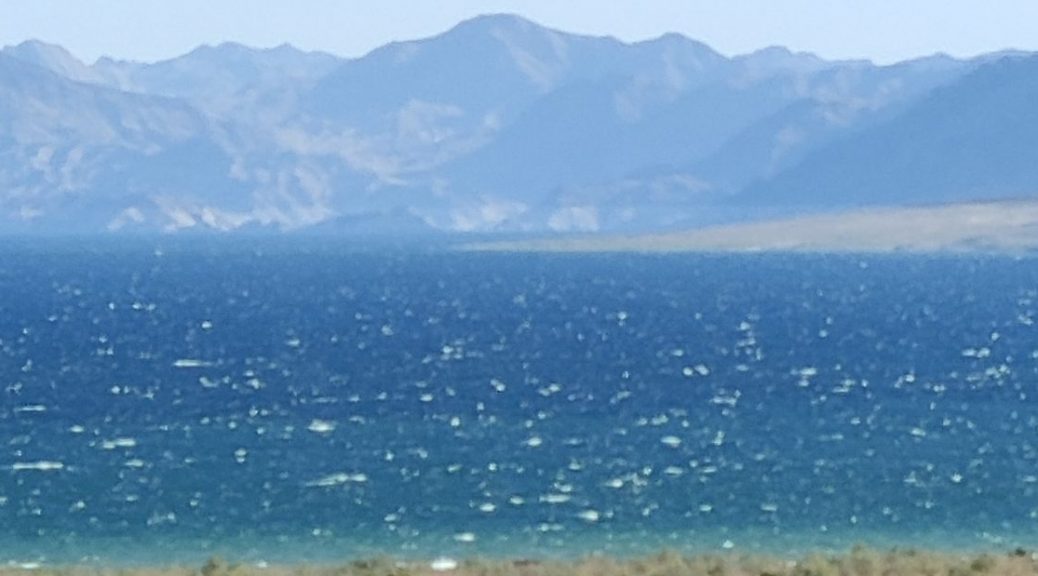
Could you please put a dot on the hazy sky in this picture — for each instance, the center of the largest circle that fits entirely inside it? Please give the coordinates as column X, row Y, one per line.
column 883, row 30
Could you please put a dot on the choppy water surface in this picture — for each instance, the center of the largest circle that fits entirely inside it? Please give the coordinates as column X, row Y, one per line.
column 301, row 403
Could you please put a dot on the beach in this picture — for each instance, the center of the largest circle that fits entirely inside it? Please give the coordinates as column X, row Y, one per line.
column 859, row 561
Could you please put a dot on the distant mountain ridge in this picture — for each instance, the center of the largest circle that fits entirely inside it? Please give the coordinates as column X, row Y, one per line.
column 974, row 140
column 498, row 125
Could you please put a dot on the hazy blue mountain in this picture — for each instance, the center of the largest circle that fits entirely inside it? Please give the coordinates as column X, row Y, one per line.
column 225, row 80
column 843, row 100
column 679, row 158
column 53, row 58
column 487, row 68
column 77, row 153
column 410, row 106
column 78, row 156
column 496, row 125
column 975, row 139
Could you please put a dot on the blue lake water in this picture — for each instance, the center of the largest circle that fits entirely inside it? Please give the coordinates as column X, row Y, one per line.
column 164, row 403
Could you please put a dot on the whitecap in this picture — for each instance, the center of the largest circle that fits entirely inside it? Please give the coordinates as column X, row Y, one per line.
column 41, row 466
column 321, row 426
column 118, row 443
column 615, row 483
column 337, row 479
column 31, row 408
column 191, row 363
column 589, row 515
column 443, row 564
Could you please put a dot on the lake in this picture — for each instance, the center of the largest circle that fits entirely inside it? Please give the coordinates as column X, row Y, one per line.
column 162, row 402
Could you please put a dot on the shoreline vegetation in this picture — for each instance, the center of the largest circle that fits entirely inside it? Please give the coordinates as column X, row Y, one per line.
column 1007, row 226
column 859, row 561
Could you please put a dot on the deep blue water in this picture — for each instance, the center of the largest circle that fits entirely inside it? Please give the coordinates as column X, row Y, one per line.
column 301, row 403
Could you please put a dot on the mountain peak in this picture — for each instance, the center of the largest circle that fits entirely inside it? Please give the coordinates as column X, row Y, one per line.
column 782, row 54
column 234, row 57
column 676, row 43
column 502, row 26
column 36, row 46
column 773, row 59
column 222, row 49
column 236, row 51
column 53, row 58
column 489, row 21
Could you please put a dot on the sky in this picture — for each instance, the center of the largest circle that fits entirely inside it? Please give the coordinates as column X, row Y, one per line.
column 884, row 31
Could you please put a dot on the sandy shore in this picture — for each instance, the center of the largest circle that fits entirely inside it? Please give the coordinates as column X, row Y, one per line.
column 1010, row 226
column 857, row 562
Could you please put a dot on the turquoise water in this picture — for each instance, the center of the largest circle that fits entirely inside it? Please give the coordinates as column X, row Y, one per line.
column 165, row 403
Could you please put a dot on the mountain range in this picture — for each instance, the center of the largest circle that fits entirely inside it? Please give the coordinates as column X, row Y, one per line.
column 500, row 126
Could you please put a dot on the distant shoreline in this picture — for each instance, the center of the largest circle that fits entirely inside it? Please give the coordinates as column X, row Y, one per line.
column 988, row 227
column 859, row 561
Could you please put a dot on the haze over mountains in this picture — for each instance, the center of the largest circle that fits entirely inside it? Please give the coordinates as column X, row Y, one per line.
column 500, row 125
